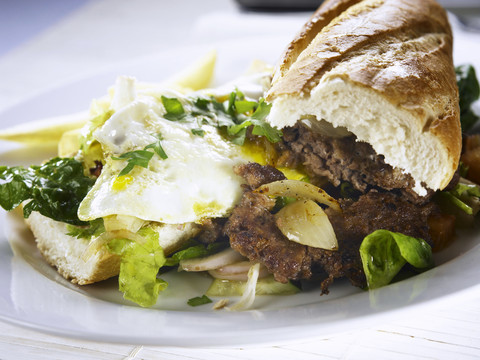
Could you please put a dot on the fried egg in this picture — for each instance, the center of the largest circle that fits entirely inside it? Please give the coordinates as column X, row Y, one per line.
column 196, row 181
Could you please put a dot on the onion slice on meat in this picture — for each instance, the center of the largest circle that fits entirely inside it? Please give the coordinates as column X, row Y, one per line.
column 215, row 261
column 299, row 190
column 237, row 271
column 305, row 222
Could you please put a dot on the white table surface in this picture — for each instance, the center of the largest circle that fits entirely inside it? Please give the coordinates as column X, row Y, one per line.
column 49, row 44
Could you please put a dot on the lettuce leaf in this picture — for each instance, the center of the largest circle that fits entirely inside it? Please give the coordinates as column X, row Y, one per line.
column 55, row 189
column 139, row 266
column 384, row 253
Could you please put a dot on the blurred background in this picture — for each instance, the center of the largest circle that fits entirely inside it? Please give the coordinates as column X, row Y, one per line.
column 49, row 42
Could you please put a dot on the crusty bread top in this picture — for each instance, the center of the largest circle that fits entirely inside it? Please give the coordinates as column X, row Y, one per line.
column 398, row 53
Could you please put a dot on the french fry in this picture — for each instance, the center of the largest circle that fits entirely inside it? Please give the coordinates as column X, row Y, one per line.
column 49, row 131
column 44, row 132
column 197, row 76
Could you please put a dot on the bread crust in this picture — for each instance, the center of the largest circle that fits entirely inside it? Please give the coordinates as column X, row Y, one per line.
column 402, row 49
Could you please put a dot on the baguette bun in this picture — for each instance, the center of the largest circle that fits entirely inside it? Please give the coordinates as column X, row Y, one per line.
column 66, row 253
column 383, row 70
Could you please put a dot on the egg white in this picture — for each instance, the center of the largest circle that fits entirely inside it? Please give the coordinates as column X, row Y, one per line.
column 195, row 182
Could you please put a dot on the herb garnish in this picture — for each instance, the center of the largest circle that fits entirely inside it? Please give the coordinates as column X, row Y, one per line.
column 141, row 157
column 232, row 117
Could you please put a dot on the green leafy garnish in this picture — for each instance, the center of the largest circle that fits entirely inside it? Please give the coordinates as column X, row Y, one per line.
column 199, row 300
column 192, row 251
column 55, row 189
column 232, row 117
column 198, row 132
column 157, row 147
column 384, row 253
column 174, row 109
column 141, row 157
column 465, row 197
column 469, row 92
column 139, row 266
column 94, row 229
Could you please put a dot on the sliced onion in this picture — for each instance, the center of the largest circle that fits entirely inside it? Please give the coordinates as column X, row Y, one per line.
column 123, row 222
column 248, row 295
column 299, row 190
column 215, row 261
column 95, row 245
column 306, row 223
column 237, row 271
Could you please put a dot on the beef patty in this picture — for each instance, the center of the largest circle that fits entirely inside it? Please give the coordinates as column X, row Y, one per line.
column 252, row 231
column 343, row 159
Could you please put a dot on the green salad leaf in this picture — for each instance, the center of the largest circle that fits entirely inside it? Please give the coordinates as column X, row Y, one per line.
column 55, row 189
column 95, row 228
column 139, row 266
column 469, row 92
column 384, row 253
column 464, row 196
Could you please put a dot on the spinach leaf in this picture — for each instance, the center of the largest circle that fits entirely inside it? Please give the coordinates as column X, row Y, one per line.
column 55, row 189
column 469, row 92
column 384, row 253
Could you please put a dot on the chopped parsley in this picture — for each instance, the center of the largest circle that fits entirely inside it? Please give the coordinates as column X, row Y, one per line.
column 141, row 157
column 232, row 117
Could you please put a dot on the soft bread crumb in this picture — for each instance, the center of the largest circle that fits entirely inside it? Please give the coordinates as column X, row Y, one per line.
column 391, row 130
column 65, row 252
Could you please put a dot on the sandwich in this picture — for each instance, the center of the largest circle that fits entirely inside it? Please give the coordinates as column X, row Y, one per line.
column 342, row 162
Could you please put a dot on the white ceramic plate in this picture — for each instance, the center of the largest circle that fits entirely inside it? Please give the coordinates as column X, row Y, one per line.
column 34, row 295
